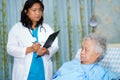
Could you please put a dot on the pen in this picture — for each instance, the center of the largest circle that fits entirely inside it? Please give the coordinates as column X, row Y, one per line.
column 34, row 42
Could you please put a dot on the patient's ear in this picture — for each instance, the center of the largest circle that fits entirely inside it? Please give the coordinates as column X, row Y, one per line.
column 98, row 55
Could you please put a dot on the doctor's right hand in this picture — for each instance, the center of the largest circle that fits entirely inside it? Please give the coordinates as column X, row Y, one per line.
column 33, row 48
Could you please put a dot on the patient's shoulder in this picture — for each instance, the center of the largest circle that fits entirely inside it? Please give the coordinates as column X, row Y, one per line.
column 68, row 67
column 71, row 64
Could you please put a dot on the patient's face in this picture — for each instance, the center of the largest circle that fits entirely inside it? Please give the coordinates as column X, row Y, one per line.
column 88, row 53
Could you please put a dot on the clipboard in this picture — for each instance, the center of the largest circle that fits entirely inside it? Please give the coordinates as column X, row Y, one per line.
column 51, row 39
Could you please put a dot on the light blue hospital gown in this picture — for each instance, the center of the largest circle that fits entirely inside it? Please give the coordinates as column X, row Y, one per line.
column 74, row 70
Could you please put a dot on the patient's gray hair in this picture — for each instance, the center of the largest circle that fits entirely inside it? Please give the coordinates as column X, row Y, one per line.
column 100, row 43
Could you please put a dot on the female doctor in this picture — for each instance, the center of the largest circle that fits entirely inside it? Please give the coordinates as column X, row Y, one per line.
column 25, row 41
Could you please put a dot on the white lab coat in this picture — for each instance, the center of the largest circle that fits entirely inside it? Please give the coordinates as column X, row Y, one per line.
column 19, row 39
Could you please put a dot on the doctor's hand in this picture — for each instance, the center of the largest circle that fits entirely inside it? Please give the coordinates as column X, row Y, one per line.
column 33, row 48
column 42, row 51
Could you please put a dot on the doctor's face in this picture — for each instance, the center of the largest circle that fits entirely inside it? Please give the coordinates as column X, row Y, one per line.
column 35, row 12
column 88, row 53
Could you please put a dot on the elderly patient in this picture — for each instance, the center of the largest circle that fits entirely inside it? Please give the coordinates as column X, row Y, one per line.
column 87, row 68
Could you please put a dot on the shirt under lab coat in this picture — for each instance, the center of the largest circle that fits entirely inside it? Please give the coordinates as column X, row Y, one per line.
column 19, row 38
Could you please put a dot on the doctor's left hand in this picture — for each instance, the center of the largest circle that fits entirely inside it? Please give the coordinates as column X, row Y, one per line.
column 42, row 51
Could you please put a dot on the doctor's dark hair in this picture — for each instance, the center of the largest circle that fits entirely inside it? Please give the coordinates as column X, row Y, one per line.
column 25, row 19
